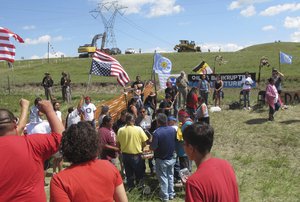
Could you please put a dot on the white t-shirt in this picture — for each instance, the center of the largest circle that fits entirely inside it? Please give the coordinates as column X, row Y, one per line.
column 58, row 114
column 247, row 82
column 73, row 118
column 38, row 128
column 89, row 111
column 34, row 115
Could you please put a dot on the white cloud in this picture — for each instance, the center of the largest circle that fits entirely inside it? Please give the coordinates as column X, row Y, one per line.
column 57, row 54
column 215, row 47
column 295, row 37
column 290, row 22
column 34, row 57
column 244, row 3
column 42, row 40
column 274, row 10
column 51, row 55
column 249, row 11
column 150, row 8
column 268, row 28
column 164, row 7
column 28, row 27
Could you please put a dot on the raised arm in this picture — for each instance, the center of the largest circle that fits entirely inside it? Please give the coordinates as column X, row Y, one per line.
column 24, row 104
column 56, row 125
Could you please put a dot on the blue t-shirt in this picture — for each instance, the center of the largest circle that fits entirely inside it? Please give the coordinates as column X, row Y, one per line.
column 163, row 142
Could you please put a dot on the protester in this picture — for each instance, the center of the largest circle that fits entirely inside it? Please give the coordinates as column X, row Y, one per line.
column 184, row 121
column 172, row 121
column 192, row 101
column 204, row 88
column 88, row 110
column 108, row 144
column 182, row 85
column 47, row 83
column 73, row 116
column 131, row 107
column 163, row 145
column 131, row 140
column 277, row 76
column 201, row 114
column 87, row 179
column 104, row 112
column 214, row 179
column 57, row 157
column 272, row 98
column 22, row 157
column 218, row 91
column 172, row 90
column 120, row 122
column 150, row 104
column 139, row 85
column 145, row 121
column 166, row 105
column 246, row 88
column 34, row 116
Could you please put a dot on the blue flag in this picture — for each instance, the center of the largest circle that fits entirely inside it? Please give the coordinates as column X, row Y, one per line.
column 161, row 64
column 285, row 58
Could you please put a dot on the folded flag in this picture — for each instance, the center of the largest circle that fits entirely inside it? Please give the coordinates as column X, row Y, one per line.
column 285, row 58
column 106, row 65
column 8, row 49
column 203, row 68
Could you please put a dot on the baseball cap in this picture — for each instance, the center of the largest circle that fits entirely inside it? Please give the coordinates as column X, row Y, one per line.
column 172, row 118
column 182, row 112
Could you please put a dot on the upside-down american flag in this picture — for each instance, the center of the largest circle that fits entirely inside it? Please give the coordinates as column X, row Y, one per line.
column 7, row 49
column 106, row 65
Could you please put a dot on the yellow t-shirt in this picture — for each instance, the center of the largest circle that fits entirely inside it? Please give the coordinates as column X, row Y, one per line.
column 131, row 139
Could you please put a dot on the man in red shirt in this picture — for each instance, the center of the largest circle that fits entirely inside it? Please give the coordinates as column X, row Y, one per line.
column 214, row 179
column 22, row 157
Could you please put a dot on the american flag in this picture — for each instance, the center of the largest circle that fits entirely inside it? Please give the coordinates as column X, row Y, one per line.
column 7, row 49
column 106, row 65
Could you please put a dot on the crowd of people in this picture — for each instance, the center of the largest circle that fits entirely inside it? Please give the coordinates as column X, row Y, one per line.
column 108, row 157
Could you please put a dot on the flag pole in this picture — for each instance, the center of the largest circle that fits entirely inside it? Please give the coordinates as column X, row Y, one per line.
column 279, row 61
column 153, row 74
column 88, row 84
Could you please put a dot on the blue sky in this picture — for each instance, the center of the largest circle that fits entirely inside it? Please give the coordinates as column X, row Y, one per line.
column 150, row 24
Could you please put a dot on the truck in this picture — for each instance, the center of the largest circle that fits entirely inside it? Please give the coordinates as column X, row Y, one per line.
column 187, row 46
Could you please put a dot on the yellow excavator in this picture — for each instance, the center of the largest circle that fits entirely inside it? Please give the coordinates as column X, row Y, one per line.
column 186, row 46
column 87, row 50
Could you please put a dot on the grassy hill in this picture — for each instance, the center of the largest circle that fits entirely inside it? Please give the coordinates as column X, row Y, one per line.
column 32, row 71
column 265, row 154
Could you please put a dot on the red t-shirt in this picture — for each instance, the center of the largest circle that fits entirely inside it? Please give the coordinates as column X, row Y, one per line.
column 213, row 181
column 107, row 136
column 22, row 165
column 94, row 180
column 192, row 102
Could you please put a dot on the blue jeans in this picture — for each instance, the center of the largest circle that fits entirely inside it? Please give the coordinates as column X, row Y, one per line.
column 165, row 175
column 246, row 95
column 134, row 169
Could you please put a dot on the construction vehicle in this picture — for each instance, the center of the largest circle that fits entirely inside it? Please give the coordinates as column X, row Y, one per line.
column 87, row 50
column 186, row 46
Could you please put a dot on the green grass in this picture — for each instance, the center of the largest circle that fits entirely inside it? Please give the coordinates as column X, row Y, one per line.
column 265, row 155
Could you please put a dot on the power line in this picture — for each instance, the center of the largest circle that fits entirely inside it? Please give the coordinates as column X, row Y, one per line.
column 111, row 9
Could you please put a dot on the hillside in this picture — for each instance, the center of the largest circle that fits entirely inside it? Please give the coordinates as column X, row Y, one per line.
column 32, row 71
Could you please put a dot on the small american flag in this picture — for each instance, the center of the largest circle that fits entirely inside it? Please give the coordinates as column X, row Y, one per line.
column 7, row 49
column 106, row 65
